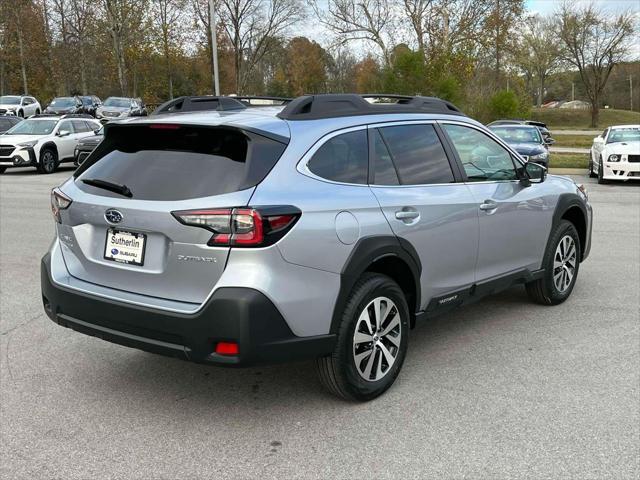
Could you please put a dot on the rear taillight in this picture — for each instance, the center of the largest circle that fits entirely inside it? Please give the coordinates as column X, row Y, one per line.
column 242, row 227
column 59, row 201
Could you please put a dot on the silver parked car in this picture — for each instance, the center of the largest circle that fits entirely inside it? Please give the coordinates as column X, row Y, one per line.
column 323, row 229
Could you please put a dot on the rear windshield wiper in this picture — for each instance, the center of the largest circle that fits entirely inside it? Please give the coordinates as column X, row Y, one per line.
column 112, row 187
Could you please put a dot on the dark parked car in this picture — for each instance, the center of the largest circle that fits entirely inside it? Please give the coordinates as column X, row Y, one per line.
column 546, row 134
column 64, row 106
column 86, row 146
column 8, row 121
column 526, row 140
column 90, row 104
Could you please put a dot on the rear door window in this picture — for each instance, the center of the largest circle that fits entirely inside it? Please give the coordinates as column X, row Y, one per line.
column 417, row 154
column 180, row 162
column 343, row 158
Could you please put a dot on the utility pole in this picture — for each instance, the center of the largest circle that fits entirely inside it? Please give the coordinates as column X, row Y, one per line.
column 214, row 46
column 630, row 93
column 573, row 91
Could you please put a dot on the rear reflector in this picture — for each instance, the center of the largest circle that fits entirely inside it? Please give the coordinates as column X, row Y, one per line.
column 227, row 348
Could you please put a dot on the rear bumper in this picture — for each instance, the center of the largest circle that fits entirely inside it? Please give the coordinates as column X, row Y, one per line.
column 240, row 315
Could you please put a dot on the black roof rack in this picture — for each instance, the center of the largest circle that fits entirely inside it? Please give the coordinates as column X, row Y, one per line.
column 313, row 107
column 198, row 104
column 63, row 115
column 262, row 101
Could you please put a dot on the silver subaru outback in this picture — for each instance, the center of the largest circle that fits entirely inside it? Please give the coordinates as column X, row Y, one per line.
column 324, row 228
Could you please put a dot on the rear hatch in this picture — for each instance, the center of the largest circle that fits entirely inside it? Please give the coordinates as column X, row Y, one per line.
column 119, row 230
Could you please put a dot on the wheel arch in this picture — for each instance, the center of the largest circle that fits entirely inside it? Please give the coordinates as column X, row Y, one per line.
column 48, row 145
column 385, row 254
column 571, row 208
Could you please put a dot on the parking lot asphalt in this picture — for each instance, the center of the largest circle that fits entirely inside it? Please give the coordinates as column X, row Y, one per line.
column 500, row 389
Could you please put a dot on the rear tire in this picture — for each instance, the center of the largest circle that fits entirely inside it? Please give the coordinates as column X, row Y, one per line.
column 372, row 341
column 48, row 161
column 561, row 263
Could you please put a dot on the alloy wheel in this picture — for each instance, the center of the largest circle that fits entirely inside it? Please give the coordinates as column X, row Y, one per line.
column 48, row 161
column 376, row 339
column 564, row 263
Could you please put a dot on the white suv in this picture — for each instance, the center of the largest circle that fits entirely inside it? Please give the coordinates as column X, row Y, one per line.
column 44, row 141
column 19, row 105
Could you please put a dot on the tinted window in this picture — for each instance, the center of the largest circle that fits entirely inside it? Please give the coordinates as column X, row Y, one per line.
column 482, row 157
column 79, row 126
column 418, row 155
column 91, row 127
column 343, row 158
column 384, row 170
column 66, row 125
column 189, row 162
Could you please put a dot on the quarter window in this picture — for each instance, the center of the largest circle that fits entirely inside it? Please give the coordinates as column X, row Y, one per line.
column 417, row 154
column 343, row 158
column 483, row 158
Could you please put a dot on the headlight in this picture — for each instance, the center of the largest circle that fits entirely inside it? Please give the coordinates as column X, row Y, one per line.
column 540, row 156
column 27, row 144
column 614, row 158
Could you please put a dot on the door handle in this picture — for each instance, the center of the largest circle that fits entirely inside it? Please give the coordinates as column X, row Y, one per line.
column 488, row 205
column 407, row 215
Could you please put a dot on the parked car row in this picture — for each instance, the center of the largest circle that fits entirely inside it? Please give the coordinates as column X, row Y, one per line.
column 530, row 139
column 113, row 107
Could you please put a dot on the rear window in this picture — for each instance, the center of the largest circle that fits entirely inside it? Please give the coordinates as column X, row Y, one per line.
column 179, row 163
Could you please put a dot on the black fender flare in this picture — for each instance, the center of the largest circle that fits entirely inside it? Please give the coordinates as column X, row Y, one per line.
column 565, row 202
column 367, row 251
column 50, row 145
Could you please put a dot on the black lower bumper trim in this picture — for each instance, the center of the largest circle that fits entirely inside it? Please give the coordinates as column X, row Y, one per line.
column 240, row 315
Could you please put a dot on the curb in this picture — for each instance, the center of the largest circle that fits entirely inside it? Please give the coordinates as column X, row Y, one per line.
column 568, row 171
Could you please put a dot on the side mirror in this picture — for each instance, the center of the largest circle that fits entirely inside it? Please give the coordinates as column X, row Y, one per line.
column 63, row 133
column 550, row 141
column 534, row 173
column 96, row 131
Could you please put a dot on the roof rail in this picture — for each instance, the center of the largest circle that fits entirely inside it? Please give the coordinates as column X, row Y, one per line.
column 77, row 115
column 262, row 101
column 313, row 107
column 198, row 104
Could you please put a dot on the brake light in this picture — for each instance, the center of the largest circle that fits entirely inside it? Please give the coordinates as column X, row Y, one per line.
column 59, row 201
column 241, row 227
column 227, row 348
column 164, row 126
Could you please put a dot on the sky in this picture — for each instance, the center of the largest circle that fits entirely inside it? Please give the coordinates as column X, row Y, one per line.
column 548, row 6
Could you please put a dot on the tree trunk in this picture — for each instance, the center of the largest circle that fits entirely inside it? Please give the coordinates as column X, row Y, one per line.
column 83, row 74
column 595, row 114
column 23, row 68
column 540, row 91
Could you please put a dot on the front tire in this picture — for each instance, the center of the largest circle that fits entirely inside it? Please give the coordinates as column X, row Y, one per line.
column 2, row 170
column 561, row 263
column 592, row 174
column 601, row 179
column 48, row 161
column 372, row 341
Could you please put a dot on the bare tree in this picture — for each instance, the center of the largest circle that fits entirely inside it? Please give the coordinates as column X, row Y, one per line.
column 121, row 17
column 252, row 26
column 538, row 52
column 81, row 13
column 367, row 20
column 595, row 42
column 167, row 15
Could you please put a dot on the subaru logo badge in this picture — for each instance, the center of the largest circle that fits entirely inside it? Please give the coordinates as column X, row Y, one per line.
column 113, row 216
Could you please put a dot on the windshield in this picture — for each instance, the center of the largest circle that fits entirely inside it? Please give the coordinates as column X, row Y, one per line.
column 624, row 135
column 518, row 134
column 33, row 127
column 63, row 102
column 9, row 100
column 117, row 102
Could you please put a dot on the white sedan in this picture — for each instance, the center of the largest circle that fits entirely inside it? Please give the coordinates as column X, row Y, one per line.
column 615, row 154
